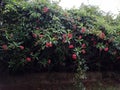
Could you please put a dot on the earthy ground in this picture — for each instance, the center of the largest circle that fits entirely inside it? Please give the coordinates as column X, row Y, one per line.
column 59, row 81
column 102, row 81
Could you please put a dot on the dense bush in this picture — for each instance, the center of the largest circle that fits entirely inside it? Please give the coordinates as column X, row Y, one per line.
column 42, row 36
column 103, row 35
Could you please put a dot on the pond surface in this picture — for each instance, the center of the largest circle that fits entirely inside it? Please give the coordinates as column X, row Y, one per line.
column 37, row 81
column 59, row 81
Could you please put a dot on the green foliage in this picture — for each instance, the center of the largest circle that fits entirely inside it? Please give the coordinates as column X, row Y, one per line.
column 41, row 35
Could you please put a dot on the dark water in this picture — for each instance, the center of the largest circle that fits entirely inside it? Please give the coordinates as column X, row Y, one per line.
column 38, row 81
column 59, row 81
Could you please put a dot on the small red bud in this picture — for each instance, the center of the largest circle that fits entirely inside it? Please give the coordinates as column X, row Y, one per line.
column 106, row 49
column 4, row 47
column 71, row 46
column 74, row 56
column 28, row 59
column 21, row 47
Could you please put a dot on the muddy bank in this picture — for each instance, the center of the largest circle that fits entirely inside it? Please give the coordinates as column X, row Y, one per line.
column 58, row 81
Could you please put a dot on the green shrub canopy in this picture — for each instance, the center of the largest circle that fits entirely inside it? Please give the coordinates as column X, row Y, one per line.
column 41, row 35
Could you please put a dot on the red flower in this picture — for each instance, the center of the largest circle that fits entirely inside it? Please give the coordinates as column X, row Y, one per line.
column 34, row 35
column 83, row 51
column 83, row 29
column 80, row 37
column 102, row 35
column 74, row 56
column 49, row 61
column 83, row 46
column 45, row 9
column 48, row 44
column 4, row 47
column 28, row 59
column 69, row 36
column 71, row 46
column 106, row 49
column 64, row 36
column 21, row 47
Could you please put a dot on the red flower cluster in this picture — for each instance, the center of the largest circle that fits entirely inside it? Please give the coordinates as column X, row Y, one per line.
column 4, row 47
column 83, row 29
column 67, row 35
column 48, row 44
